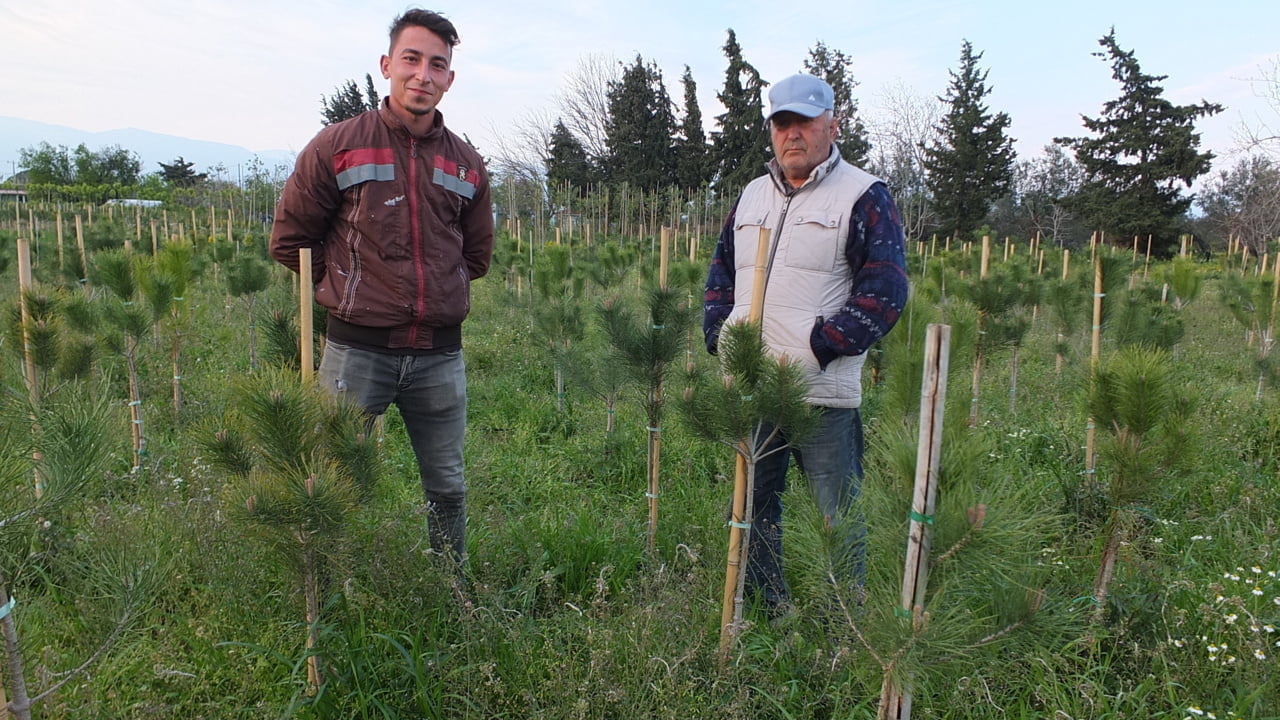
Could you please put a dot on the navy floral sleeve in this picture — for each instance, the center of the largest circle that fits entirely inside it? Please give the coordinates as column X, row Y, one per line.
column 717, row 297
column 876, row 251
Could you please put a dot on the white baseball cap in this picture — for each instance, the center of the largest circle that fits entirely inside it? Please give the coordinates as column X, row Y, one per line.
column 803, row 94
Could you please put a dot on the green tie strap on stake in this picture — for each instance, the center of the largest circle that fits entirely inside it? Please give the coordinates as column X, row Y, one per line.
column 8, row 607
column 651, row 496
column 901, row 612
column 654, row 429
column 659, row 327
column 740, row 525
column 926, row 519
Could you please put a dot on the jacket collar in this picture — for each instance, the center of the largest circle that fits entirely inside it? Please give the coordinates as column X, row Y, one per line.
column 820, row 172
column 400, row 130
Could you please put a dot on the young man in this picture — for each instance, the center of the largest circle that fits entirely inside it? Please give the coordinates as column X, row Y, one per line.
column 836, row 283
column 396, row 211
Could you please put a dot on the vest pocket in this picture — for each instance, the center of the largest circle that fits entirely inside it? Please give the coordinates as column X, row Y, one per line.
column 746, row 238
column 815, row 241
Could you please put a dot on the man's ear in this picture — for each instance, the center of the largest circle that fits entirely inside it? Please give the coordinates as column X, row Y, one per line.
column 385, row 65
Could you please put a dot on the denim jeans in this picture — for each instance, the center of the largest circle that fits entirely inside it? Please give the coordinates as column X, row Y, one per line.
column 431, row 393
column 831, row 461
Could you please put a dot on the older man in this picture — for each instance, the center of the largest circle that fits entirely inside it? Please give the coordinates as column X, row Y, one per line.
column 835, row 284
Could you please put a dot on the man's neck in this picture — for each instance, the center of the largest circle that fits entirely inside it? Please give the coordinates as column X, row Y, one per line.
column 415, row 124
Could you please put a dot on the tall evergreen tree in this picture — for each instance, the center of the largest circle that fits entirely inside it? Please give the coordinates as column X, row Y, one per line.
column 347, row 101
column 692, row 166
column 567, row 165
column 640, row 129
column 1143, row 150
column 741, row 145
column 836, row 68
column 971, row 163
column 371, row 93
column 182, row 173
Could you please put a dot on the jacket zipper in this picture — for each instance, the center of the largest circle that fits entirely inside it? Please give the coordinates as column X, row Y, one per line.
column 415, row 236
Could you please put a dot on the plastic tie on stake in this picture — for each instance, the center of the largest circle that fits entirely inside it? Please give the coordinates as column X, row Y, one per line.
column 740, row 525
column 921, row 517
column 1099, row 295
column 901, row 612
column 7, row 607
column 654, row 429
column 134, row 403
column 659, row 327
column 651, row 496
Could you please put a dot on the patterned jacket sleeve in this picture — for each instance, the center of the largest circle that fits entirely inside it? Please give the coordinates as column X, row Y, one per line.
column 876, row 250
column 717, row 297
column 308, row 203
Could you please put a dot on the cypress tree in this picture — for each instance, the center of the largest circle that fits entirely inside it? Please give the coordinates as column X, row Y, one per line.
column 1143, row 151
column 835, row 68
column 640, row 128
column 692, row 166
column 567, row 163
column 741, row 145
column 971, row 164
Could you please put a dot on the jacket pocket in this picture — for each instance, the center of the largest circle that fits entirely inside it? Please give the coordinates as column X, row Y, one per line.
column 815, row 240
column 746, row 238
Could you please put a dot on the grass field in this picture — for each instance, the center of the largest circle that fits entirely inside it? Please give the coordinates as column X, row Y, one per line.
column 564, row 614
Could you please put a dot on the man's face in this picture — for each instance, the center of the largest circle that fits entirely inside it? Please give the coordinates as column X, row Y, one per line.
column 418, row 68
column 801, row 144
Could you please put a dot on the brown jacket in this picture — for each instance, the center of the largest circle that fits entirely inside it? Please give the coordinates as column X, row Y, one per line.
column 398, row 228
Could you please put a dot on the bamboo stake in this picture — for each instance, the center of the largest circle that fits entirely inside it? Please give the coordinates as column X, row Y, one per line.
column 1095, row 355
column 59, row 225
column 29, row 362
column 84, row 260
column 1146, row 265
column 155, row 242
column 896, row 703
column 986, row 255
column 655, row 433
column 305, row 293
column 738, row 524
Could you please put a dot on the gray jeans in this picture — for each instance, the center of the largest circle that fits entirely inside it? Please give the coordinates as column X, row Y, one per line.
column 431, row 393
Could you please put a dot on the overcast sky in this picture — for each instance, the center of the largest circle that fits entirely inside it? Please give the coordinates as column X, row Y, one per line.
column 252, row 73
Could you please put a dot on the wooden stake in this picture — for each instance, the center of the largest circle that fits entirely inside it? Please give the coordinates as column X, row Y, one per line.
column 1095, row 356
column 664, row 257
column 986, row 256
column 155, row 241
column 29, row 362
column 84, row 260
column 59, row 224
column 1066, row 263
column 305, row 297
column 933, row 392
column 738, row 535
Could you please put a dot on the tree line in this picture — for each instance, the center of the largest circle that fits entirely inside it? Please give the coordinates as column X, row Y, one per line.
column 951, row 163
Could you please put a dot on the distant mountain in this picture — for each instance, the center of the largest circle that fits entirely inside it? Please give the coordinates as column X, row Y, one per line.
column 153, row 148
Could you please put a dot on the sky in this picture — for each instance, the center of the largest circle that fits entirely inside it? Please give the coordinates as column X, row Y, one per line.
column 253, row 73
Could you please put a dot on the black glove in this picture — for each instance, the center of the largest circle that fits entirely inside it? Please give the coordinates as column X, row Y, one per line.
column 818, row 345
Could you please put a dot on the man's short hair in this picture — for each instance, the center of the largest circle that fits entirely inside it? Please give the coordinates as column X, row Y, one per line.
column 435, row 22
